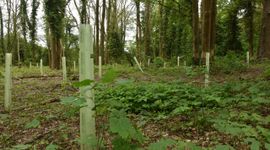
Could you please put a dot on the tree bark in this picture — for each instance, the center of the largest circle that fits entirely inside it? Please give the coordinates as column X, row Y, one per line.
column 250, row 17
column 195, row 29
column 147, row 32
column 264, row 46
column 97, row 33
column 138, row 30
column 102, row 37
column 208, row 28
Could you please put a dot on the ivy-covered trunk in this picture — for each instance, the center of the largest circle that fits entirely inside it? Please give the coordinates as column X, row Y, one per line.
column 56, row 53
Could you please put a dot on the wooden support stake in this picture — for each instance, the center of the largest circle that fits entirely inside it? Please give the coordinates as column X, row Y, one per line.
column 86, row 67
column 64, row 67
column 8, row 82
column 41, row 67
column 139, row 66
column 207, row 63
column 178, row 61
column 248, row 58
column 100, row 66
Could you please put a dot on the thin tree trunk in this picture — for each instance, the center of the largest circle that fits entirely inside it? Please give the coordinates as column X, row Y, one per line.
column 97, row 32
column 196, row 37
column 102, row 37
column 161, row 30
column 250, row 16
column 147, row 32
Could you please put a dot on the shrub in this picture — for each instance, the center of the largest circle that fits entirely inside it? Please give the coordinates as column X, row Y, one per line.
column 158, row 62
column 228, row 64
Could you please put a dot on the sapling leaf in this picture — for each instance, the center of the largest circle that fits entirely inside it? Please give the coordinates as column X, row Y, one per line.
column 223, row 147
column 267, row 146
column 52, row 147
column 33, row 124
column 75, row 101
column 109, row 76
column 21, row 147
column 162, row 144
column 83, row 83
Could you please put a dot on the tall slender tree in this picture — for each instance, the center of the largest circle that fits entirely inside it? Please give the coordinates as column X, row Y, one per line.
column 195, row 31
column 264, row 45
column 147, row 30
column 97, row 50
column 33, row 29
column 2, row 45
column 102, row 36
column 138, row 29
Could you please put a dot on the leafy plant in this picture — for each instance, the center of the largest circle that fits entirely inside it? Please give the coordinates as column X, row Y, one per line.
column 126, row 133
column 33, row 124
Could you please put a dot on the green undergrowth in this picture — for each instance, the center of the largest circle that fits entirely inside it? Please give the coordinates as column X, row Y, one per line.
column 236, row 109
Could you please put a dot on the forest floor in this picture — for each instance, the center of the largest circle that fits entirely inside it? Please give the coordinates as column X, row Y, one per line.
column 234, row 111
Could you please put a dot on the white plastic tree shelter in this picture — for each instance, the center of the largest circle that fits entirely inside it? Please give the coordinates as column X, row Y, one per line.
column 148, row 63
column 86, row 67
column 139, row 66
column 178, row 61
column 64, row 68
column 164, row 65
column 74, row 66
column 8, row 82
column 248, row 58
column 207, row 63
column 99, row 66
column 41, row 67
column 30, row 65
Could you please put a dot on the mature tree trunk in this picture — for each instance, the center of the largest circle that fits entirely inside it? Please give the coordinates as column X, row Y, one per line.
column 102, row 37
column 195, row 29
column 147, row 32
column 83, row 13
column 264, row 47
column 55, row 10
column 138, row 30
column 33, row 29
column 250, row 16
column 8, row 5
column 2, row 45
column 161, row 30
column 109, row 28
column 97, row 32
column 208, row 27
column 24, row 22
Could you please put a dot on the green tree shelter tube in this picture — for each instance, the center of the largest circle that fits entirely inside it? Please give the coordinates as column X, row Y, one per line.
column 86, row 67
column 8, row 82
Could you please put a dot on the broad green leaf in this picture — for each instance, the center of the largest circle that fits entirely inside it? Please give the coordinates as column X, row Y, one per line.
column 254, row 144
column 162, row 144
column 21, row 147
column 75, row 101
column 121, row 144
column 267, row 146
column 52, row 147
column 33, row 124
column 224, row 147
column 121, row 125
column 109, row 76
column 83, row 83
